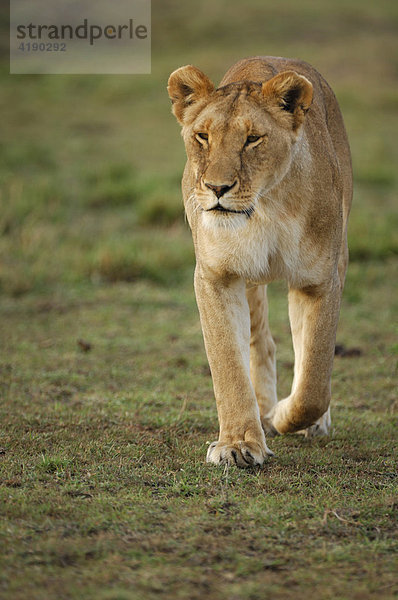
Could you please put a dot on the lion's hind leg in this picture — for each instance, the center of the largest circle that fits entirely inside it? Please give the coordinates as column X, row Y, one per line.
column 262, row 350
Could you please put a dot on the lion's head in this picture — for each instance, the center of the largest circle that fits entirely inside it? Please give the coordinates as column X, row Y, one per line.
column 240, row 137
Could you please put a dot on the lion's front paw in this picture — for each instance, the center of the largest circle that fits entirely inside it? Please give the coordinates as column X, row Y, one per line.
column 276, row 421
column 321, row 427
column 241, row 453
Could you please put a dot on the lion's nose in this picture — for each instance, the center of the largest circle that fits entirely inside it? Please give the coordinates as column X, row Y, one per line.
column 220, row 190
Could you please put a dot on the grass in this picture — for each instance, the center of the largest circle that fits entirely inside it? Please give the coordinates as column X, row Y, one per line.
column 106, row 398
column 104, row 484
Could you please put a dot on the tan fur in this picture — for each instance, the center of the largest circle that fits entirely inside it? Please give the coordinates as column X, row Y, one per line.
column 269, row 146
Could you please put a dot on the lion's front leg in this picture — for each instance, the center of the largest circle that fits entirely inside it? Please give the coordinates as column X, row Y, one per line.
column 225, row 319
column 313, row 317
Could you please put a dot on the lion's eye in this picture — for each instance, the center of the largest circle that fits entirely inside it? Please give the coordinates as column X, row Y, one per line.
column 202, row 136
column 252, row 138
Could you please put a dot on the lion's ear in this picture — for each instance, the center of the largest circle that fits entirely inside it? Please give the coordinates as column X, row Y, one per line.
column 186, row 86
column 289, row 92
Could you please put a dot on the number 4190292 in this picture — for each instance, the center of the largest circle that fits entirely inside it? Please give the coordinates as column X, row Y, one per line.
column 42, row 47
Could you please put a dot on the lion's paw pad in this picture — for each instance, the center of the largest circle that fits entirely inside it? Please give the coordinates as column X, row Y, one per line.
column 242, row 454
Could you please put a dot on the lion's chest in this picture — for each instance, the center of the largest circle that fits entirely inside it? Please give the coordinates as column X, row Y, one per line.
column 260, row 252
column 249, row 251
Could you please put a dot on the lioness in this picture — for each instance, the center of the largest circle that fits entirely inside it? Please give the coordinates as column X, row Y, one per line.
column 267, row 190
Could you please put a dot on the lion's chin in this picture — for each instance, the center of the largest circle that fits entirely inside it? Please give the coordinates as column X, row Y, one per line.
column 216, row 220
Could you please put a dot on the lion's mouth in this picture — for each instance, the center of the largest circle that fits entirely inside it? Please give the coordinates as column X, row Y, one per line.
column 220, row 208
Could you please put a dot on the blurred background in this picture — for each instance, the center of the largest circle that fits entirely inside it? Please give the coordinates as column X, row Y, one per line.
column 90, row 166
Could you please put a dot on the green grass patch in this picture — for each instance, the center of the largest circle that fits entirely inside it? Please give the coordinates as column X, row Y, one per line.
column 104, row 488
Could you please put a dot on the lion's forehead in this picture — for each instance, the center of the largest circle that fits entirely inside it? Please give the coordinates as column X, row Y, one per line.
column 223, row 115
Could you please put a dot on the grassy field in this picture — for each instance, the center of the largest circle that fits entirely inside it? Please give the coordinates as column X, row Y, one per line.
column 105, row 395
